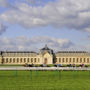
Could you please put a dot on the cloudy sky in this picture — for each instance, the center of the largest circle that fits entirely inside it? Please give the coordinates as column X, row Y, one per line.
column 30, row 24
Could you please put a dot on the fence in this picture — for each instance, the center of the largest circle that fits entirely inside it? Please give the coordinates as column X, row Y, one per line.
column 45, row 68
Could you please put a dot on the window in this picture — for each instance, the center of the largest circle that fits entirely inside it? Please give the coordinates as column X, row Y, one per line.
column 77, row 60
column 80, row 60
column 27, row 59
column 13, row 60
column 59, row 59
column 17, row 60
column 10, row 60
column 6, row 60
column 70, row 59
column 20, row 60
column 73, row 59
column 3, row 60
column 24, row 60
column 87, row 60
column 63, row 59
column 35, row 60
column 84, row 59
column 66, row 59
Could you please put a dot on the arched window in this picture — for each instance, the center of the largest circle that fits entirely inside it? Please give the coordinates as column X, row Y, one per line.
column 35, row 60
column 73, row 59
column 66, row 59
column 87, row 60
column 70, row 59
column 84, row 59
column 24, row 60
column 27, row 59
column 20, row 60
column 10, row 60
column 6, row 60
column 31, row 60
column 80, row 60
column 17, row 60
column 13, row 60
column 63, row 59
column 59, row 59
column 77, row 60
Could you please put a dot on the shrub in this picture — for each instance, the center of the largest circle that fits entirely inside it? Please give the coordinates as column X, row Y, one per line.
column 37, row 65
column 50, row 65
column 86, row 65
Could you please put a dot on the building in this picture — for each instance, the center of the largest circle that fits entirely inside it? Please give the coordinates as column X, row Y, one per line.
column 45, row 56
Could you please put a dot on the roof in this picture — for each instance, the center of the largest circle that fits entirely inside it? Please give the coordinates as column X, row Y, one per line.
column 71, row 52
column 46, row 48
column 17, row 52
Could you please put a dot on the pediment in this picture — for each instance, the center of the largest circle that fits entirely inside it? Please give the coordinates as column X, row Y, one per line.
column 46, row 55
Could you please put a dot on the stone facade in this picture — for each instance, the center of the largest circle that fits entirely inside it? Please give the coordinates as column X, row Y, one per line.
column 45, row 56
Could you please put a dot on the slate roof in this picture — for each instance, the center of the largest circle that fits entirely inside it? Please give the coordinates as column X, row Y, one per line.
column 46, row 48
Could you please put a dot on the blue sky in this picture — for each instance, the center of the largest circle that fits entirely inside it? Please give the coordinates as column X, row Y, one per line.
column 63, row 25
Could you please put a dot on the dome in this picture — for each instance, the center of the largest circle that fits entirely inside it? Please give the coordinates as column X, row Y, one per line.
column 46, row 49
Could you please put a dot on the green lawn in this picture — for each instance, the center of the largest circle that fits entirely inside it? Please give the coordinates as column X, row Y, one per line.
column 44, row 80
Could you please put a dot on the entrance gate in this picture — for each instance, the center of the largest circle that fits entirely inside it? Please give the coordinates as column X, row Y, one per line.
column 45, row 61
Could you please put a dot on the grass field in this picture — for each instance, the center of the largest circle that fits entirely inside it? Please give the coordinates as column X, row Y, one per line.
column 44, row 80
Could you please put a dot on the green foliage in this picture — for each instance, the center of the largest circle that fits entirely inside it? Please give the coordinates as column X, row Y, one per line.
column 45, row 80
column 50, row 65
column 64, row 65
column 37, row 65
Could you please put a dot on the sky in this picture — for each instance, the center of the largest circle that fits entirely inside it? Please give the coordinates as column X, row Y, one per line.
column 27, row 25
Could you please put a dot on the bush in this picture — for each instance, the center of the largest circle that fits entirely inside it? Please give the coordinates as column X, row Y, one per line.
column 86, row 65
column 29, row 65
column 43, row 65
column 64, row 65
column 37, row 65
column 50, row 65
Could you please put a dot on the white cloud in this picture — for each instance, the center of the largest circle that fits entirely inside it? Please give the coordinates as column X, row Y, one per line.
column 69, row 14
column 36, row 43
column 33, row 44
column 4, row 3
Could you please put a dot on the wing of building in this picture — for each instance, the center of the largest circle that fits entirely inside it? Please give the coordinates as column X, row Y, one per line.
column 45, row 56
